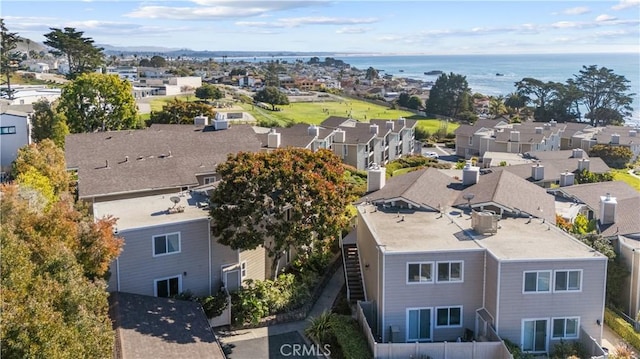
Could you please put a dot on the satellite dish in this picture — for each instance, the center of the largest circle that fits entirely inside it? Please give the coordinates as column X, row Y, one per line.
column 175, row 200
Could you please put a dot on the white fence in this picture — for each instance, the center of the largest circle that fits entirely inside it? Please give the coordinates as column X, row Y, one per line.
column 444, row 350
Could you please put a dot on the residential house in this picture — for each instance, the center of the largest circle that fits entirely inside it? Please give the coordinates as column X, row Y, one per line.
column 27, row 95
column 300, row 135
column 445, row 260
column 623, row 136
column 15, row 133
column 615, row 206
column 39, row 67
column 155, row 181
column 129, row 73
column 501, row 136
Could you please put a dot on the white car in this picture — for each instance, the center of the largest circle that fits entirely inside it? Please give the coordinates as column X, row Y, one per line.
column 431, row 155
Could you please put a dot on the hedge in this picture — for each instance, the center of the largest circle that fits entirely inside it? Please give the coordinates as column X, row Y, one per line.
column 622, row 327
column 349, row 338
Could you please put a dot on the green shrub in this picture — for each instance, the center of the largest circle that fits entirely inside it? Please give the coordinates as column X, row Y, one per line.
column 565, row 350
column 214, row 305
column 620, row 326
column 319, row 328
column 350, row 340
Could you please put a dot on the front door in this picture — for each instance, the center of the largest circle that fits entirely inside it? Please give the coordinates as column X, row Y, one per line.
column 534, row 335
column 231, row 278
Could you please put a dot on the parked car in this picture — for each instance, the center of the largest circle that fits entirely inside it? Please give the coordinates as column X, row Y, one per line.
column 431, row 154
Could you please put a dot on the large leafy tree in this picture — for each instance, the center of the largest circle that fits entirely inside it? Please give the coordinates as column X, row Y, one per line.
column 181, row 112
column 280, row 200
column 208, row 91
column 97, row 102
column 157, row 61
column 54, row 302
column 604, row 94
column 82, row 56
column 538, row 93
column 45, row 158
column 449, row 96
column 46, row 123
column 613, row 156
column 272, row 96
column 8, row 57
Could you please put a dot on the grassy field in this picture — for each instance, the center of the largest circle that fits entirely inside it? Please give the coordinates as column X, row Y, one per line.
column 157, row 103
column 623, row 175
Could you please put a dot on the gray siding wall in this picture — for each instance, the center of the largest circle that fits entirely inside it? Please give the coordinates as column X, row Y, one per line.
column 399, row 295
column 137, row 268
column 588, row 304
column 368, row 250
column 221, row 255
column 491, row 285
column 256, row 264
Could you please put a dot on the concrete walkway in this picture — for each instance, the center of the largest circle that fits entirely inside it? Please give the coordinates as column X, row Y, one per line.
column 611, row 340
column 324, row 302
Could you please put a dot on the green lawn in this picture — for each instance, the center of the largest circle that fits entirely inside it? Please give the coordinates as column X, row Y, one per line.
column 432, row 125
column 157, row 103
column 623, row 175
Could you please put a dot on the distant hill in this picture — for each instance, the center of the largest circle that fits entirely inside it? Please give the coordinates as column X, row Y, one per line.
column 25, row 45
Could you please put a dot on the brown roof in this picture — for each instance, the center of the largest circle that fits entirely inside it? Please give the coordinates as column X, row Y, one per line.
column 334, row 121
column 296, row 136
column 159, row 157
column 554, row 168
column 427, row 187
column 511, row 192
column 627, row 211
column 151, row 327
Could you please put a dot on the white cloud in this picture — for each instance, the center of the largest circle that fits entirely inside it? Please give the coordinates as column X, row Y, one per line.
column 579, row 10
column 625, row 4
column 605, row 17
column 300, row 21
column 564, row 24
column 352, row 30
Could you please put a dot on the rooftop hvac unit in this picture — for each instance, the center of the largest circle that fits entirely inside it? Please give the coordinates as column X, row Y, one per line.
column 484, row 222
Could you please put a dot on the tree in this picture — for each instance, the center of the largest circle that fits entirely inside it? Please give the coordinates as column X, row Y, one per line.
column 604, row 94
column 181, row 112
column 157, row 61
column 279, row 200
column 96, row 102
column 414, row 103
column 8, row 57
column 613, row 156
column 50, row 307
column 207, row 91
column 541, row 90
column 497, row 107
column 81, row 54
column 47, row 123
column 45, row 158
column 272, row 96
column 449, row 95
column 403, row 99
column 371, row 74
column 144, row 63
column 616, row 270
column 564, row 102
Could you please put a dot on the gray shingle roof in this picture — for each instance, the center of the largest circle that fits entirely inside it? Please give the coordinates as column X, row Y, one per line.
column 159, row 157
column 151, row 327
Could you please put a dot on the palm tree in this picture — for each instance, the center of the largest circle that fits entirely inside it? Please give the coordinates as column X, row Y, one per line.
column 497, row 107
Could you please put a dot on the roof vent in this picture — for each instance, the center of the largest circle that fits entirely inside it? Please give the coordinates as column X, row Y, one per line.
column 484, row 222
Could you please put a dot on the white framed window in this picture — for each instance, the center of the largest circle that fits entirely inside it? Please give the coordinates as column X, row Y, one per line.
column 165, row 244
column 566, row 328
column 243, row 270
column 167, row 287
column 450, row 271
column 567, row 280
column 208, row 180
column 418, row 324
column 420, row 272
column 450, row 317
column 537, row 282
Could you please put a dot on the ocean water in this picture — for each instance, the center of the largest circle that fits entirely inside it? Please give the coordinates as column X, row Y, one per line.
column 480, row 70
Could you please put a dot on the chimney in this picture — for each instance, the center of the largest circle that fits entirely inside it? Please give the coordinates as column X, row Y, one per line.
column 615, row 139
column 201, row 120
column 608, row 209
column 567, row 178
column 401, row 122
column 538, row 130
column 376, row 177
column 339, row 135
column 553, row 123
column 577, row 153
column 633, row 133
column 273, row 139
column 583, row 164
column 470, row 174
column 313, row 130
column 220, row 122
column 537, row 172
column 373, row 129
column 514, row 136
column 389, row 125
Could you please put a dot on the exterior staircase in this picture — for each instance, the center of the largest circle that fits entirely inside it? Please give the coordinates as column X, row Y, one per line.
column 355, row 289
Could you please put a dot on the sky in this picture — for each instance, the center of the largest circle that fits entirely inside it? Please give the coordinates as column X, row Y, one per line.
column 365, row 27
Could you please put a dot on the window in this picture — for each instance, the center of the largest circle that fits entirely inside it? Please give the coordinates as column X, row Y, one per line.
column 537, row 281
column 243, row 270
column 166, row 244
column 7, row 130
column 345, row 151
column 567, row 280
column 418, row 324
column 450, row 271
column 470, row 140
column 449, row 317
column 566, row 327
column 168, row 287
column 208, row 180
column 419, row 272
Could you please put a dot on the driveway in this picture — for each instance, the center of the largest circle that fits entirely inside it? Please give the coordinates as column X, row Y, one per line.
column 290, row 345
